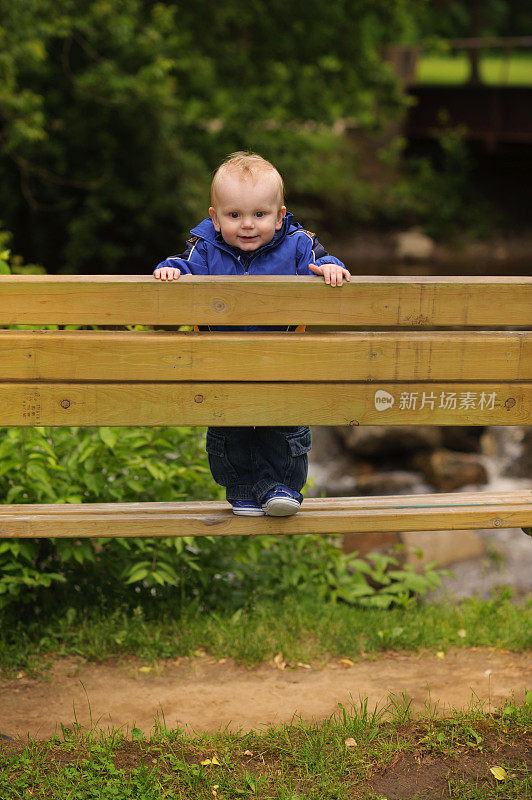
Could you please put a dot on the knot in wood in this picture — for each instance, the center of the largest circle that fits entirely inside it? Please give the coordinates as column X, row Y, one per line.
column 198, row 398
column 219, row 305
column 510, row 403
column 65, row 403
column 497, row 523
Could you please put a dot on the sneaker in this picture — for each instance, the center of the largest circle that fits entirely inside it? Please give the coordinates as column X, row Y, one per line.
column 247, row 508
column 281, row 502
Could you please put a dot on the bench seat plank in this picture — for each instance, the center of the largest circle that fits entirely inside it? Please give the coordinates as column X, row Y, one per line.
column 369, row 356
column 374, row 300
column 285, row 403
column 516, row 497
column 327, row 516
column 447, row 499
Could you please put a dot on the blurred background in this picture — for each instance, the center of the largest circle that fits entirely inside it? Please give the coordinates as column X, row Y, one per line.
column 404, row 133
column 403, row 129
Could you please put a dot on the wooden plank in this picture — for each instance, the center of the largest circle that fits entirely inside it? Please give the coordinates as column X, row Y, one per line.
column 518, row 497
column 367, row 300
column 402, row 514
column 438, row 403
column 159, row 356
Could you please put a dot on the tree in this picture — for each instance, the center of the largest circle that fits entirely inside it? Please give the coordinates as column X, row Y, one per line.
column 114, row 112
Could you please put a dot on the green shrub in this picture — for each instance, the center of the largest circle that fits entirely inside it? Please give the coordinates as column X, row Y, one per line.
column 76, row 465
column 87, row 465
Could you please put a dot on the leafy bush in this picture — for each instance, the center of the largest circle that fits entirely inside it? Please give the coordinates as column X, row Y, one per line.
column 75, row 465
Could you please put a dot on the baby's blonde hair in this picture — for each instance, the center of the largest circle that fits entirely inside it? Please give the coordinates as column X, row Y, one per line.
column 247, row 165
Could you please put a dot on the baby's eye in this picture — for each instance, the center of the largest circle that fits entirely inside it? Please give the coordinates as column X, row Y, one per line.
column 234, row 214
column 259, row 214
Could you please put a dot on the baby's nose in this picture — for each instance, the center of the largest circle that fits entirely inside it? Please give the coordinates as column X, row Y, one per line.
column 247, row 222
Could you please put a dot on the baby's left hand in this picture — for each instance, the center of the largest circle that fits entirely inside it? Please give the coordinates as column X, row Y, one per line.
column 332, row 273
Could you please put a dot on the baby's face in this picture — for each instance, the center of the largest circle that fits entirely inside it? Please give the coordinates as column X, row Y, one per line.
column 247, row 211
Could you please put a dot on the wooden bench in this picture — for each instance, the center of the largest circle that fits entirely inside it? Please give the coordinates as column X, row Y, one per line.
column 387, row 351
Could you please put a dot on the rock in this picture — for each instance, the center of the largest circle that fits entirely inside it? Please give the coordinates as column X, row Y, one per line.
column 444, row 547
column 521, row 467
column 391, row 482
column 326, row 444
column 336, row 478
column 376, row 441
column 447, row 470
column 465, row 439
column 365, row 543
column 414, row 245
column 345, row 477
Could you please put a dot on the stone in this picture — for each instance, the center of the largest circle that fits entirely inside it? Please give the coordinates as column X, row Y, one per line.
column 447, row 470
column 390, row 482
column 464, row 438
column 521, row 466
column 364, row 543
column 379, row 441
column 444, row 547
column 348, row 478
column 413, row 245
column 326, row 444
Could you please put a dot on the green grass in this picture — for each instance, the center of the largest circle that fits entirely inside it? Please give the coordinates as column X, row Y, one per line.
column 494, row 69
column 359, row 753
column 303, row 630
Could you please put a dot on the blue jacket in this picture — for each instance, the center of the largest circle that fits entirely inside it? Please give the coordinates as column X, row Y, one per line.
column 290, row 252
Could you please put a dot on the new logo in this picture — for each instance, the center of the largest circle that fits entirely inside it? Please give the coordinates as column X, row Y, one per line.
column 383, row 400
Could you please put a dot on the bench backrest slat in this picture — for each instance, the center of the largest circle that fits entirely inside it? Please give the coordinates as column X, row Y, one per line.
column 264, row 403
column 58, row 356
column 396, row 377
column 367, row 301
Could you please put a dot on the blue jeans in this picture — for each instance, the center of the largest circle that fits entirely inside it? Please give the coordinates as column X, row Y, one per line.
column 250, row 462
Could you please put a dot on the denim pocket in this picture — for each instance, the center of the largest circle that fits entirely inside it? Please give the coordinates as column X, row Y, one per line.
column 299, row 442
column 222, row 470
column 215, row 444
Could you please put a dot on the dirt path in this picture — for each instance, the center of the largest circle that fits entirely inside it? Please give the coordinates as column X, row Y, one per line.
column 204, row 695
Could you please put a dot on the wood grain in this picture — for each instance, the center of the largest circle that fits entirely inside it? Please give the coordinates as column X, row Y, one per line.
column 370, row 356
column 366, row 300
column 298, row 403
column 335, row 515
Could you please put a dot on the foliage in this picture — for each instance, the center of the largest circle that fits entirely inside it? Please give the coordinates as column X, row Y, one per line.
column 13, row 264
column 300, row 627
column 84, row 465
column 442, row 195
column 315, row 566
column 114, row 112
column 75, row 465
column 453, row 19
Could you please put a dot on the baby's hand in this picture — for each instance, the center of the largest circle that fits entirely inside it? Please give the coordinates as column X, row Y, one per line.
column 167, row 273
column 332, row 273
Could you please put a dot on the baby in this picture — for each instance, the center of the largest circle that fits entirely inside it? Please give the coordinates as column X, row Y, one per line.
column 249, row 232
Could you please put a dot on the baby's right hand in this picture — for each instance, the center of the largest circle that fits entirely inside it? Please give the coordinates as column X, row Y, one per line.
column 167, row 273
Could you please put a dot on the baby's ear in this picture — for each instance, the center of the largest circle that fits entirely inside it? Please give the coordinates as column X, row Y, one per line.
column 281, row 214
column 214, row 217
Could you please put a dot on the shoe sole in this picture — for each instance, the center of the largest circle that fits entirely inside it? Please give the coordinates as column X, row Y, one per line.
column 281, row 508
column 243, row 513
